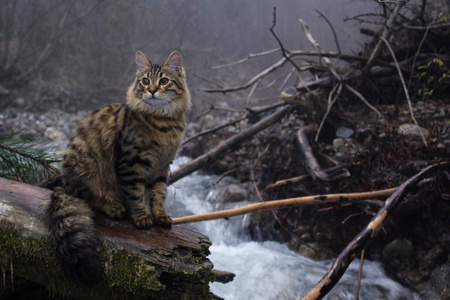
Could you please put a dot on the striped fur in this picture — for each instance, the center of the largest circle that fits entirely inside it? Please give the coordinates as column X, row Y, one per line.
column 117, row 162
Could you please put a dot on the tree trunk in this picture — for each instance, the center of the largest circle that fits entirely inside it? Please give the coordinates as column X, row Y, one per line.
column 157, row 263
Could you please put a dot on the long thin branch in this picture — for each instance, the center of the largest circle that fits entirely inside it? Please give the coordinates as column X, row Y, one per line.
column 361, row 97
column 252, row 81
column 329, row 106
column 405, row 89
column 311, row 39
column 332, row 30
column 213, row 130
column 333, row 172
column 251, row 55
column 308, row 200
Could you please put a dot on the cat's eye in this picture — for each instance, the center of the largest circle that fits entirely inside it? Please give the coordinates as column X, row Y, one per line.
column 163, row 81
column 146, row 81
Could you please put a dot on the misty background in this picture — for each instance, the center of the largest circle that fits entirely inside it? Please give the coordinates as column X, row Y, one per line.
column 75, row 55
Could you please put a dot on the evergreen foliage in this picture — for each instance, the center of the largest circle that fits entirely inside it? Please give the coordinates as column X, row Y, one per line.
column 26, row 161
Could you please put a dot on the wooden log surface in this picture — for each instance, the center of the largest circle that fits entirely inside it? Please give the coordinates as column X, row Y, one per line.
column 157, row 263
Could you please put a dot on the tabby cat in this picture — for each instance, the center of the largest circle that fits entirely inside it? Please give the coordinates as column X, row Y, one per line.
column 117, row 162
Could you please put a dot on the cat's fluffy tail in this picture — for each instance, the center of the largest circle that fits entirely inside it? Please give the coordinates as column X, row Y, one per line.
column 71, row 228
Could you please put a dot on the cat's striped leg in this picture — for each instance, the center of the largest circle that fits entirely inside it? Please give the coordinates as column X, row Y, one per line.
column 157, row 195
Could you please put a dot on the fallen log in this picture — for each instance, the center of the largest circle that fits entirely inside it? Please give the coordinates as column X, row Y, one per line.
column 157, row 263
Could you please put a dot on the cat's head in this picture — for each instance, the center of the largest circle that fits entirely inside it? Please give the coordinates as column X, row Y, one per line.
column 159, row 90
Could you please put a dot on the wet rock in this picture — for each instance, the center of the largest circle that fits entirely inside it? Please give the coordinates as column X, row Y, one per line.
column 234, row 193
column 344, row 132
column 314, row 251
column 412, row 131
column 399, row 248
column 438, row 286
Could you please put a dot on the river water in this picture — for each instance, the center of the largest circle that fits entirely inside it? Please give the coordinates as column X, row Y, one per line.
column 266, row 270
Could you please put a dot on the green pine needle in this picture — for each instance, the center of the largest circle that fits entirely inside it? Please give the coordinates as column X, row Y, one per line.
column 26, row 161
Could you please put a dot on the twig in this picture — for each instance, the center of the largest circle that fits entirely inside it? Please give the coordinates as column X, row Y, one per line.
column 275, row 204
column 405, row 89
column 344, row 259
column 330, row 171
column 283, row 50
column 361, row 97
column 257, row 77
column 417, row 53
column 251, row 55
column 387, row 31
column 209, row 80
column 223, row 176
column 330, row 104
column 213, row 107
column 332, row 29
column 213, row 130
column 251, row 92
column 252, row 173
column 358, row 283
column 319, row 49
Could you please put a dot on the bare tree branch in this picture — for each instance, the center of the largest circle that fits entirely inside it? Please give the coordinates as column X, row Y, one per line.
column 405, row 89
column 200, row 161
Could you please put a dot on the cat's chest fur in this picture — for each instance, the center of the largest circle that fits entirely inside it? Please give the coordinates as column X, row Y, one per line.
column 151, row 139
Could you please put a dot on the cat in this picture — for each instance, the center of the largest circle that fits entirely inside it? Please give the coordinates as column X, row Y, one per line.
column 117, row 162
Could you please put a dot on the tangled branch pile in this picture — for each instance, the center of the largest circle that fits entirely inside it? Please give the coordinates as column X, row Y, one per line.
column 355, row 109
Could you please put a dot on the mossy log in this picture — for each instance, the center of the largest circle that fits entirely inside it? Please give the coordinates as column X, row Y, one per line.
column 156, row 263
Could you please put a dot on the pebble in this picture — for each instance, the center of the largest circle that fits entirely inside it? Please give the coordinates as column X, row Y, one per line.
column 412, row 131
column 344, row 132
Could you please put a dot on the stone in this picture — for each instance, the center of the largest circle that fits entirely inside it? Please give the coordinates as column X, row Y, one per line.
column 399, row 248
column 344, row 132
column 314, row 251
column 412, row 131
column 233, row 193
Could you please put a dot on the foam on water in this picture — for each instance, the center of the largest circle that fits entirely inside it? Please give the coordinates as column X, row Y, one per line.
column 266, row 270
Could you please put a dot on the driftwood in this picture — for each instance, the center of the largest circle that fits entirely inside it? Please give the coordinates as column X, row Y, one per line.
column 157, row 263
column 347, row 255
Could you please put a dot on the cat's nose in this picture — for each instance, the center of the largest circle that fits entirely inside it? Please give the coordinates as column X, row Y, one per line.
column 152, row 89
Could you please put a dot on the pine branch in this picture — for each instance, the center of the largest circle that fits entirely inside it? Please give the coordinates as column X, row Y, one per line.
column 25, row 160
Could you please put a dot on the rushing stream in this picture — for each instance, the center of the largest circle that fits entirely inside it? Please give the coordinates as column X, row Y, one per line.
column 266, row 270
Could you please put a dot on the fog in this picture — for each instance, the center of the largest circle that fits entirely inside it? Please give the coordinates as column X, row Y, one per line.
column 83, row 51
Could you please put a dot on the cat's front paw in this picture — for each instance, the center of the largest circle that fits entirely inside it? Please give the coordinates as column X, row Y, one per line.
column 115, row 210
column 164, row 220
column 144, row 221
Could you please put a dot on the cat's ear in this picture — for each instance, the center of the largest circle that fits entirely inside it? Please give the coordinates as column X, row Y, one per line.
column 174, row 62
column 142, row 61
